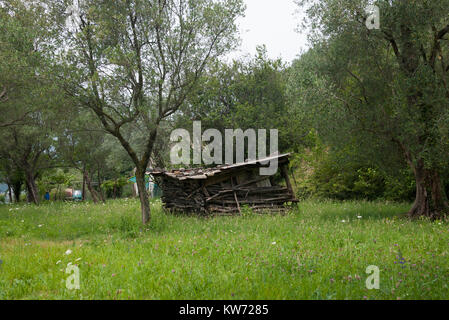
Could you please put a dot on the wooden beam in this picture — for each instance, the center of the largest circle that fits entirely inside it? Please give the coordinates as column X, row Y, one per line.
column 284, row 173
column 235, row 196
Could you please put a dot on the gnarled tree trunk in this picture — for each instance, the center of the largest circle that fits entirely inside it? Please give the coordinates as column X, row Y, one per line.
column 32, row 192
column 90, row 187
column 431, row 200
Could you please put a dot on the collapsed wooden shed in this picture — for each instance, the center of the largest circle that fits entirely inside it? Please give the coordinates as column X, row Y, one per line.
column 226, row 189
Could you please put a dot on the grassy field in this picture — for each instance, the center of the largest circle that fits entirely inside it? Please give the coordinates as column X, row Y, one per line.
column 318, row 251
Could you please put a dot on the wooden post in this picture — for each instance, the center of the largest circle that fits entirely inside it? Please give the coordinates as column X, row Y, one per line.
column 284, row 173
column 235, row 196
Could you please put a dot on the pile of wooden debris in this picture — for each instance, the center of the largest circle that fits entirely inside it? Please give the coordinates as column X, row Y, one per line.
column 226, row 189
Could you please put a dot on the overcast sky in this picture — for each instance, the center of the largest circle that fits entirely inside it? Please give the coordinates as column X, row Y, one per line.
column 273, row 23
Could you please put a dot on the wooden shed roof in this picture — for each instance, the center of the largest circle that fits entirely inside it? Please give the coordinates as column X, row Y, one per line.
column 205, row 173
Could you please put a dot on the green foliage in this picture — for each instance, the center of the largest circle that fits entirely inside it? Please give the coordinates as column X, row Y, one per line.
column 400, row 187
column 329, row 181
column 244, row 94
column 321, row 172
column 30, row 108
column 349, row 184
column 58, row 178
column 359, row 108
column 55, row 182
column 114, row 188
column 376, row 98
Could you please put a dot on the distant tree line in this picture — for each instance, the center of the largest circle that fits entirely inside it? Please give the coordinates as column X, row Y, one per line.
column 364, row 111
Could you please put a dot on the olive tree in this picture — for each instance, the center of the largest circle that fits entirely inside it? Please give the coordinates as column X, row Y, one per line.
column 134, row 62
column 388, row 86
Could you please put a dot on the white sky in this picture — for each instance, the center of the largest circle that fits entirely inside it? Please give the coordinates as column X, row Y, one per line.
column 273, row 23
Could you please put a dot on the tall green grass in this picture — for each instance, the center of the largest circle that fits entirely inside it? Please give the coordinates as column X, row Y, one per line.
column 318, row 251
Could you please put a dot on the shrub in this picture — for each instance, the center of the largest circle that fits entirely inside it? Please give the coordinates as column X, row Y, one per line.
column 114, row 188
column 323, row 174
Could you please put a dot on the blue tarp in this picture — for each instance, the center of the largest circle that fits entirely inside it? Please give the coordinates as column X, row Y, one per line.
column 157, row 192
column 147, row 180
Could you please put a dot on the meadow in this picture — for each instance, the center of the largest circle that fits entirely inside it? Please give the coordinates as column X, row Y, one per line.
column 320, row 250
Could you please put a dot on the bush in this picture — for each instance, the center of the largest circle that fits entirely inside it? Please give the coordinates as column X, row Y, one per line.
column 322, row 174
column 401, row 187
column 114, row 188
column 350, row 183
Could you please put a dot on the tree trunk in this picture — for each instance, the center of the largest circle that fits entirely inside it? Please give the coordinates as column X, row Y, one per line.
column 33, row 196
column 17, row 189
column 102, row 196
column 431, row 200
column 84, row 186
column 10, row 193
column 90, row 187
column 134, row 190
column 143, row 195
